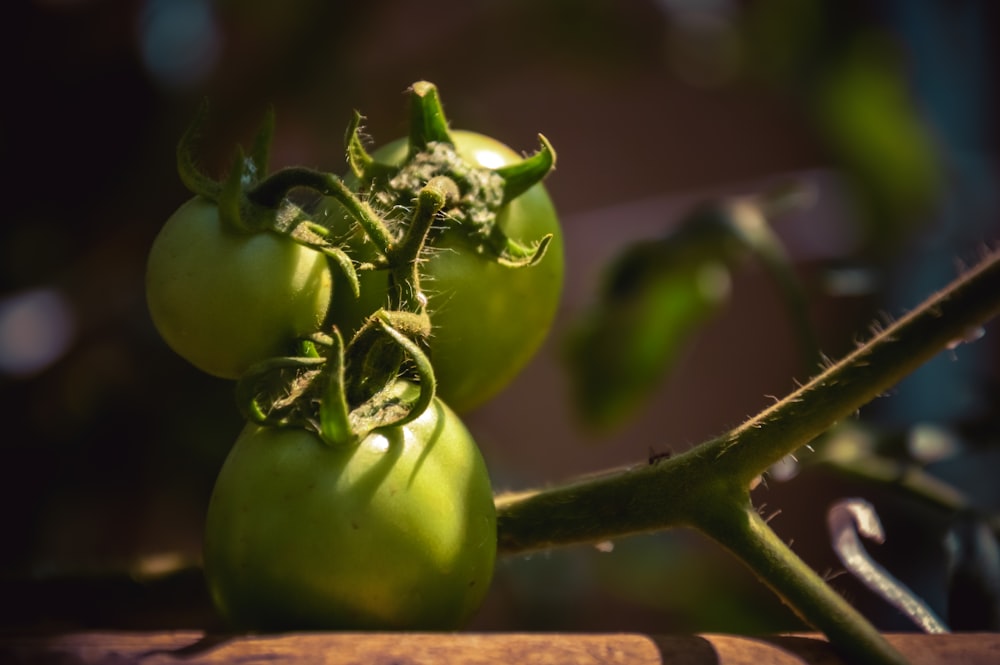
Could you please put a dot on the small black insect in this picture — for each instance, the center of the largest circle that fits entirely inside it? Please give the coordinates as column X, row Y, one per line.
column 655, row 457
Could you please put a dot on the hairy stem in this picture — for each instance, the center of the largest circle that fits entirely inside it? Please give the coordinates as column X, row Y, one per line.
column 653, row 496
column 707, row 486
column 405, row 255
column 739, row 528
column 277, row 185
column 939, row 322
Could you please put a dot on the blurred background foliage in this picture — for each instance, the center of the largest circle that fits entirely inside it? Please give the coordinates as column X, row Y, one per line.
column 886, row 111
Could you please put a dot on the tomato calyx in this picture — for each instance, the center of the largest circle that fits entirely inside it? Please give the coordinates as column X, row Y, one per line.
column 237, row 211
column 250, row 200
column 479, row 193
column 386, row 217
column 343, row 392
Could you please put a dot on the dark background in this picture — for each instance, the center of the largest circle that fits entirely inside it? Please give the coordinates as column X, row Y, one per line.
column 111, row 442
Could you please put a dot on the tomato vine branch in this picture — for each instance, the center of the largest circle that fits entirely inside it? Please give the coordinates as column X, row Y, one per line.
column 276, row 186
column 737, row 526
column 707, row 487
column 651, row 496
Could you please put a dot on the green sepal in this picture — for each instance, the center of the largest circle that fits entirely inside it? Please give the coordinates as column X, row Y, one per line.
column 358, row 157
column 334, row 413
column 512, row 254
column 394, row 404
column 236, row 211
column 345, row 264
column 231, row 199
column 260, row 153
column 373, row 358
column 314, row 391
column 190, row 173
column 426, row 382
column 388, row 341
column 307, row 347
column 272, row 391
column 363, row 166
column 522, row 176
column 428, row 123
column 316, row 236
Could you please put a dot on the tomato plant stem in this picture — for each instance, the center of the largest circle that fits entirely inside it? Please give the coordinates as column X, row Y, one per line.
column 650, row 496
column 404, row 258
column 697, row 488
column 737, row 526
column 277, row 185
column 942, row 321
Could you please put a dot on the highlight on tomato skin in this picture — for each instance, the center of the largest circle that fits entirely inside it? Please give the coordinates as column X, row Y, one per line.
column 398, row 532
column 223, row 299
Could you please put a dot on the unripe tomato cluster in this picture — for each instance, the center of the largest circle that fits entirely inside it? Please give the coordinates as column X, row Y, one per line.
column 396, row 528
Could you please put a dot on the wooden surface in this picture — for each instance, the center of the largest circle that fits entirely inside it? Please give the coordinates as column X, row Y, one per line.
column 194, row 648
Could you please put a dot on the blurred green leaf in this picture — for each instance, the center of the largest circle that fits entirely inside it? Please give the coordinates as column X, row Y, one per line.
column 864, row 108
column 657, row 293
column 656, row 297
column 854, row 80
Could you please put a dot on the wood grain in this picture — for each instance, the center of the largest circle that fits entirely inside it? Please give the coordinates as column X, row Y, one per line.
column 197, row 648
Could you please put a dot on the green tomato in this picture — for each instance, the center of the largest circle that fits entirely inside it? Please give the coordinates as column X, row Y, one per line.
column 224, row 300
column 398, row 532
column 487, row 320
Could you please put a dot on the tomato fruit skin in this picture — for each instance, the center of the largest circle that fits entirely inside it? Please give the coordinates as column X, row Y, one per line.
column 224, row 300
column 398, row 532
column 487, row 320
